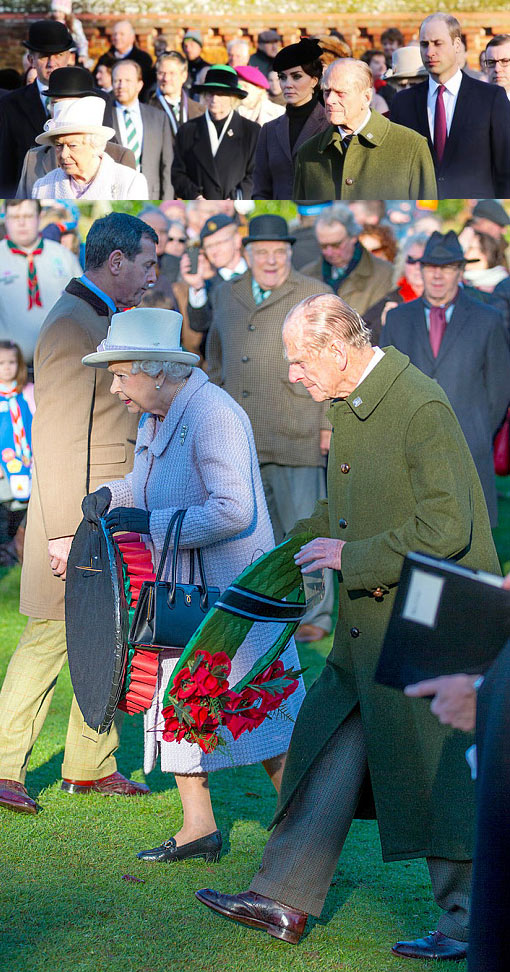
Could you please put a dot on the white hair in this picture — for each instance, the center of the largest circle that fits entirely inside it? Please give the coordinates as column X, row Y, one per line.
column 175, row 370
column 98, row 142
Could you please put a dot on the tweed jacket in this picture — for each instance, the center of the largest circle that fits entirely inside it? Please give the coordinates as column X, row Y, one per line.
column 202, row 458
column 369, row 281
column 111, row 181
column 400, row 478
column 228, row 174
column 384, row 161
column 473, row 368
column 476, row 160
column 157, row 148
column 244, row 352
column 80, row 437
column 42, row 159
column 274, row 160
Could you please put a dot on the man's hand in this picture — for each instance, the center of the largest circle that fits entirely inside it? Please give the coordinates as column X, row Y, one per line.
column 58, row 552
column 320, row 553
column 389, row 305
column 454, row 701
column 324, row 441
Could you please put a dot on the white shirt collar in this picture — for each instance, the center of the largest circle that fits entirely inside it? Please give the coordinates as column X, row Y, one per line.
column 239, row 269
column 359, row 128
column 374, row 360
column 134, row 107
column 452, row 85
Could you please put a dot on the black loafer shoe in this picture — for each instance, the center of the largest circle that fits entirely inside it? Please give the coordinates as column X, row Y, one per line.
column 433, row 946
column 207, row 847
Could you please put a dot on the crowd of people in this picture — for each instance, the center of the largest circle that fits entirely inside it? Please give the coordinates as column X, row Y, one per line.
column 304, row 121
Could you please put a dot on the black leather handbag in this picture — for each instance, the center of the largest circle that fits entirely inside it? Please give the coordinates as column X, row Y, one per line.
column 168, row 613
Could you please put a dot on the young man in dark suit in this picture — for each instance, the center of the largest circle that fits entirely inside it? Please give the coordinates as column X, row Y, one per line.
column 23, row 112
column 466, row 122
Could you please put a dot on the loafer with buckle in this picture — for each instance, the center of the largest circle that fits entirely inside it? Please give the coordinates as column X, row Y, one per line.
column 113, row 785
column 257, row 911
column 435, row 945
column 13, row 796
column 209, row 848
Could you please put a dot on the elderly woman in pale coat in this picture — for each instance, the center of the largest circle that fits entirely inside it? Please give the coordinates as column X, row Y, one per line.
column 195, row 450
column 85, row 170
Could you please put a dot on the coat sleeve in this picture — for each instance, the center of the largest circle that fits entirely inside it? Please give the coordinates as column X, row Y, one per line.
column 222, row 457
column 262, row 181
column 61, row 438
column 246, row 184
column 442, row 521
column 500, row 143
column 213, row 350
column 167, row 157
column 423, row 177
column 298, row 189
column 496, row 370
column 183, row 186
column 316, row 524
column 23, row 192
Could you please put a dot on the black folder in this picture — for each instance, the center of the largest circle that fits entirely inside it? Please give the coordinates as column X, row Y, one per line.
column 446, row 619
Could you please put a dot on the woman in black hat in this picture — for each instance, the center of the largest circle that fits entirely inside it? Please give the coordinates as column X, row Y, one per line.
column 214, row 154
column 299, row 70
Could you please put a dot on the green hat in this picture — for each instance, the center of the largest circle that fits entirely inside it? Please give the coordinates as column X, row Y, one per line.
column 222, row 78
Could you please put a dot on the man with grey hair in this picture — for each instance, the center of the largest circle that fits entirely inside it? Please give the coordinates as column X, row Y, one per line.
column 465, row 121
column 361, row 155
column 170, row 95
column 123, row 38
column 80, row 440
column 388, row 492
column 344, row 263
column 238, row 52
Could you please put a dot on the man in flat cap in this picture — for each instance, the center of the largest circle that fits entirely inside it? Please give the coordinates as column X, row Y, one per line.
column 269, row 43
column 24, row 112
column 192, row 44
column 361, row 155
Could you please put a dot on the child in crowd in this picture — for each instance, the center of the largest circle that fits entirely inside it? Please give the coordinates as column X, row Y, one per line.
column 16, row 410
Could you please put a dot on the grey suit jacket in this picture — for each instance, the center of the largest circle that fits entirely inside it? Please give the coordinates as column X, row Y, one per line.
column 473, row 368
column 157, row 149
column 42, row 159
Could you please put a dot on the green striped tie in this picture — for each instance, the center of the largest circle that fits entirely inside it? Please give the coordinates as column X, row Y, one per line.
column 132, row 137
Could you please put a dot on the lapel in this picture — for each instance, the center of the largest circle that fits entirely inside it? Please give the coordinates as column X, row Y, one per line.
column 229, row 147
column 243, row 292
column 110, row 117
column 460, row 122
column 454, row 328
column 420, row 331
column 77, row 289
column 420, row 92
column 314, row 124
column 31, row 104
column 282, row 135
column 147, row 148
column 202, row 151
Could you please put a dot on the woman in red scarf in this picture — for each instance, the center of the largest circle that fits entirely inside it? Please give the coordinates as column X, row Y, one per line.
column 408, row 283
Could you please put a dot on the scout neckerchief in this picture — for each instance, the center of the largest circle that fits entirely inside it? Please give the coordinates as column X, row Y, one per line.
column 9, row 390
column 34, row 297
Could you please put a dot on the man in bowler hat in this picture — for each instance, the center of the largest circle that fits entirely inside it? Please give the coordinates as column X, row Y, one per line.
column 23, row 112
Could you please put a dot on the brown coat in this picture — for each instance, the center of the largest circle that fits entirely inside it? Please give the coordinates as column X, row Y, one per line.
column 367, row 283
column 81, row 436
column 244, row 353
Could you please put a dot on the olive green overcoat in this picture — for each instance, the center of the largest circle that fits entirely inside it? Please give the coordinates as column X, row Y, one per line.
column 400, row 478
column 384, row 161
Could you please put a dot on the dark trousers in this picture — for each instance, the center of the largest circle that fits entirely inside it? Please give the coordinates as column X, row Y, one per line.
column 301, row 855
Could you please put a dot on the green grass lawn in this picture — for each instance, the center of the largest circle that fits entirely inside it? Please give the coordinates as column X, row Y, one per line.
column 67, row 903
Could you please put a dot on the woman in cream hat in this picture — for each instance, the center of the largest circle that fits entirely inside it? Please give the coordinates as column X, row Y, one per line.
column 194, row 450
column 84, row 170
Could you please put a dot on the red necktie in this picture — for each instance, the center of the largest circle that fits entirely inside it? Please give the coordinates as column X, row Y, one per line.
column 437, row 327
column 440, row 130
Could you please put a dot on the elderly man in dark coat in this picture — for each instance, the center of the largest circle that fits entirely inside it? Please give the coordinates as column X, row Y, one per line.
column 400, row 478
column 463, row 345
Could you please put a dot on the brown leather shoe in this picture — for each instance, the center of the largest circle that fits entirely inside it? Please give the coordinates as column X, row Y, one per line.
column 310, row 632
column 257, row 911
column 434, row 946
column 114, row 784
column 13, row 796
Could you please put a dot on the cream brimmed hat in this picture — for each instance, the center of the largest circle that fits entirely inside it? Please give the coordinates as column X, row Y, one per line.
column 76, row 116
column 142, row 334
column 406, row 62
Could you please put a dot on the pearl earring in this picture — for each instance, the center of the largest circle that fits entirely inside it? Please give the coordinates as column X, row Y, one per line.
column 158, row 387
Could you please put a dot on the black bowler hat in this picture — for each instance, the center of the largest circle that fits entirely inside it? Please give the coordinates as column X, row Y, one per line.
column 49, row 37
column 268, row 227
column 70, row 82
column 295, row 55
column 222, row 78
column 442, row 249
column 493, row 210
column 215, row 223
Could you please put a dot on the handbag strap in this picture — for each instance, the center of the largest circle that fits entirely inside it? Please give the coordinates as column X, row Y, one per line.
column 166, row 545
column 177, row 536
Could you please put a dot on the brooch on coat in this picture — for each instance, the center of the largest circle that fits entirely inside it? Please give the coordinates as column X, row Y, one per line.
column 184, row 432
column 230, row 132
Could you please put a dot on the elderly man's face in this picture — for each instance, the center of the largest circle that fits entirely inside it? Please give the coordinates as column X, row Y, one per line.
column 171, row 76
column 439, row 52
column 337, row 247
column 123, row 36
column 440, row 284
column 269, row 262
column 497, row 64
column 238, row 55
column 222, row 248
column 345, row 104
column 44, row 64
column 270, row 48
column 126, row 84
column 134, row 277
column 22, row 223
column 159, row 224
column 319, row 372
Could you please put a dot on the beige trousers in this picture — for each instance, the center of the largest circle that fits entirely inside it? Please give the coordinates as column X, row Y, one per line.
column 25, row 698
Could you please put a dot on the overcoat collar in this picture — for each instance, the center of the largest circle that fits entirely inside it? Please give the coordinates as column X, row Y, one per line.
column 371, row 136
column 77, row 289
column 166, row 429
column 214, row 165
column 242, row 290
column 313, row 124
column 366, row 397
column 452, row 331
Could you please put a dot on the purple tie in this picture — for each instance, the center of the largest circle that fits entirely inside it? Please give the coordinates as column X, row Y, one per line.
column 440, row 131
column 437, row 327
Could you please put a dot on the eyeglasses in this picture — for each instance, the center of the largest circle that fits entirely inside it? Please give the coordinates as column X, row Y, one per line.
column 177, row 239
column 491, row 63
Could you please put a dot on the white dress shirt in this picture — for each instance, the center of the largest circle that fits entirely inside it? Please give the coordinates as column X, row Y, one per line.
column 449, row 100
column 43, row 96
column 359, row 128
column 136, row 115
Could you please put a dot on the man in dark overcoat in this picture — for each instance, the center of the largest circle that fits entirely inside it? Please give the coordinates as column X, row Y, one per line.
column 400, row 478
column 463, row 345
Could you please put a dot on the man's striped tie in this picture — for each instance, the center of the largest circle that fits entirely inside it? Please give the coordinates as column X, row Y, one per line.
column 132, row 137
